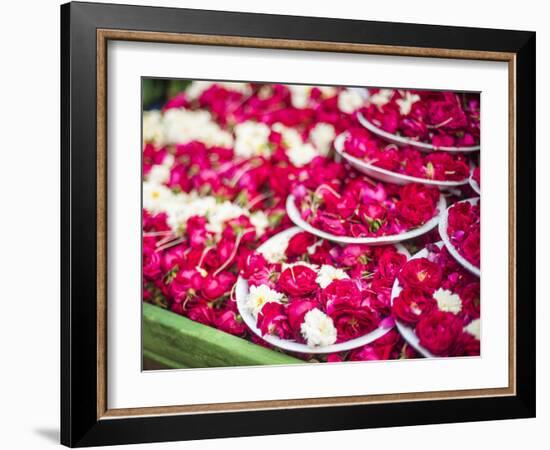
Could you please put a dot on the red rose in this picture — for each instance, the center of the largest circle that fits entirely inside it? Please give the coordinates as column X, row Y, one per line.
column 346, row 205
column 298, row 281
column 417, row 204
column 471, row 247
column 321, row 254
column 413, row 128
column 201, row 312
column 412, row 304
column 214, row 287
column 467, row 345
column 230, row 322
column 351, row 323
column 422, row 274
column 389, row 264
column 477, row 175
column 273, row 320
column 460, row 217
column 185, row 284
column 151, row 265
column 334, row 358
column 385, row 347
column 438, row 332
column 470, row 297
column 341, row 294
column 330, row 224
column 299, row 243
column 296, row 310
column 250, row 263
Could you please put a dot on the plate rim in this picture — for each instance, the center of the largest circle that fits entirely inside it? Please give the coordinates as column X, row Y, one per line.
column 296, row 218
column 442, row 228
column 400, row 140
column 407, row 178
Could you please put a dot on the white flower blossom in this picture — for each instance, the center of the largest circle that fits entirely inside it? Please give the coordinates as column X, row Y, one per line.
column 326, row 91
column 156, row 197
column 274, row 250
column 349, row 101
column 447, row 301
column 159, row 174
column 327, row 274
column 258, row 296
column 322, row 136
column 221, row 213
column 153, row 127
column 252, row 139
column 301, row 155
column 474, row 328
column 184, row 206
column 405, row 103
column 299, row 95
column 318, row 329
column 260, row 222
column 381, row 98
column 291, row 137
column 182, row 126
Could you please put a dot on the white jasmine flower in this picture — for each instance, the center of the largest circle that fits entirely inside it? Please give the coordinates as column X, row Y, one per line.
column 322, row 136
column 381, row 98
column 327, row 274
column 318, row 329
column 153, row 127
column 182, row 126
column 183, row 207
column 252, row 139
column 474, row 328
column 326, row 91
column 220, row 213
column 260, row 221
column 156, row 197
column 405, row 103
column 159, row 174
column 299, row 95
column 349, row 101
column 274, row 249
column 300, row 155
column 447, row 301
column 291, row 137
column 258, row 296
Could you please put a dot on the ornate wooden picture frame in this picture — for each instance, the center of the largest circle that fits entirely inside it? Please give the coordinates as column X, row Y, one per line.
column 86, row 417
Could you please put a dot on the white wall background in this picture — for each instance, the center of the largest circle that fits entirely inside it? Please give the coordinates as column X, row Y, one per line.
column 29, row 225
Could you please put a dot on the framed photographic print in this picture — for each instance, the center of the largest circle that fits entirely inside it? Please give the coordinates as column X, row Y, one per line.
column 281, row 224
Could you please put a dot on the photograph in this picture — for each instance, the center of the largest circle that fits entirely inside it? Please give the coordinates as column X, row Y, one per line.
column 291, row 224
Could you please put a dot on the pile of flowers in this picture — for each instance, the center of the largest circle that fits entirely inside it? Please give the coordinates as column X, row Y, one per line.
column 441, row 301
column 437, row 165
column 464, row 229
column 219, row 162
column 356, row 206
column 441, row 118
column 312, row 291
